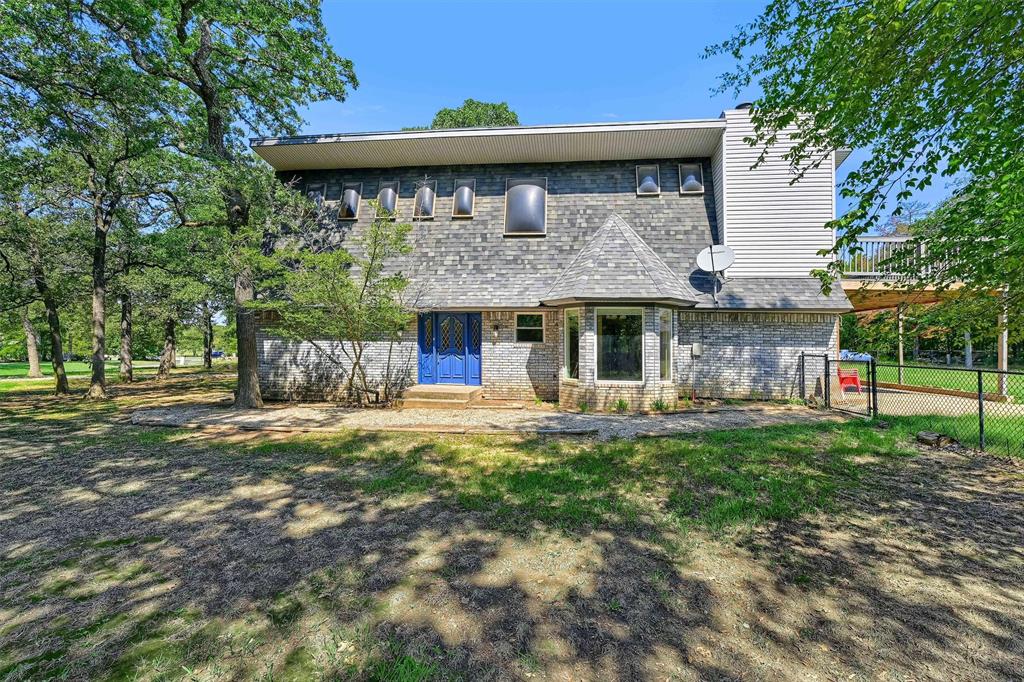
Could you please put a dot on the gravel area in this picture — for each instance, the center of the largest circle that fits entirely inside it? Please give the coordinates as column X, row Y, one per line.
column 474, row 420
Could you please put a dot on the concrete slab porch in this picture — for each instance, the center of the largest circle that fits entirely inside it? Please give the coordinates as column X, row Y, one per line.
column 439, row 396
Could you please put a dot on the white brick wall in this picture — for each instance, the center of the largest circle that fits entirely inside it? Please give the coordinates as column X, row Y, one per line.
column 750, row 355
column 745, row 355
column 519, row 370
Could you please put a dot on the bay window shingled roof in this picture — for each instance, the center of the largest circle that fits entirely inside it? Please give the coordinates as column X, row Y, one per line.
column 617, row 265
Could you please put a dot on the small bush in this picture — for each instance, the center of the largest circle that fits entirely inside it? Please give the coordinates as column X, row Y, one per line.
column 659, row 405
column 583, row 406
column 621, row 405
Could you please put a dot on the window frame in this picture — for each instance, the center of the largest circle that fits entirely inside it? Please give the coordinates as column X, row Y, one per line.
column 597, row 343
column 321, row 195
column 472, row 206
column 359, row 199
column 543, row 335
column 504, row 220
column 415, row 201
column 657, row 179
column 661, row 329
column 398, row 194
column 700, row 169
column 578, row 312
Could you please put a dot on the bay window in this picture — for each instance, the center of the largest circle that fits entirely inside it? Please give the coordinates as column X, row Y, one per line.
column 620, row 344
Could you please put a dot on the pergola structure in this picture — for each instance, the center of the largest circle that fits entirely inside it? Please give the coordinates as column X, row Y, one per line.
column 870, row 283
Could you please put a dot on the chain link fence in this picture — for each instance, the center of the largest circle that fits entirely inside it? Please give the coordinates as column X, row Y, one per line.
column 980, row 408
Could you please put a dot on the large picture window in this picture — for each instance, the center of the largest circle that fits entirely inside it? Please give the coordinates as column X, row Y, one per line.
column 665, row 345
column 620, row 344
column 572, row 344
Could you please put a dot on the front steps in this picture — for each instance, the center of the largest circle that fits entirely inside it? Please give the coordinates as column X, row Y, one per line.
column 439, row 397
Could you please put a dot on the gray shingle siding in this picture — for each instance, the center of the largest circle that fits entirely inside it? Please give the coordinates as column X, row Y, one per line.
column 469, row 263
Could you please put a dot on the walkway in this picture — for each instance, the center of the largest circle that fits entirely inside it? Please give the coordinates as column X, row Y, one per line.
column 322, row 417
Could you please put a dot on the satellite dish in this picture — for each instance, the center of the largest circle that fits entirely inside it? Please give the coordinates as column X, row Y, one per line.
column 716, row 258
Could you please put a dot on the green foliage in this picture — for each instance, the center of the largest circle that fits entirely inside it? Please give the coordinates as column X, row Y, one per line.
column 932, row 90
column 583, row 406
column 621, row 405
column 659, row 405
column 349, row 296
column 474, row 114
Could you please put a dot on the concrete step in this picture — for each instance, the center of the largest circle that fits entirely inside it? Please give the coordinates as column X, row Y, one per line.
column 432, row 404
column 434, row 392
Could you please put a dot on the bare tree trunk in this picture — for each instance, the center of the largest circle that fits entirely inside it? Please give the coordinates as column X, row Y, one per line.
column 207, row 337
column 31, row 345
column 167, row 357
column 248, row 394
column 52, row 322
column 126, row 370
column 98, row 380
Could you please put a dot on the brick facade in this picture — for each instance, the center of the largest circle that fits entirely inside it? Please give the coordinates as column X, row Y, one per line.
column 519, row 370
column 750, row 354
column 744, row 355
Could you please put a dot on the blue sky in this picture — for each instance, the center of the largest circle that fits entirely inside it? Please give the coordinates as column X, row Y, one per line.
column 553, row 62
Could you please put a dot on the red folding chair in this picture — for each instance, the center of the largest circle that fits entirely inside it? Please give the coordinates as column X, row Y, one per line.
column 849, row 377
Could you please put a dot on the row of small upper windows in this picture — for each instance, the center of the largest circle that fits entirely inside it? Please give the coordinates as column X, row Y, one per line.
column 525, row 198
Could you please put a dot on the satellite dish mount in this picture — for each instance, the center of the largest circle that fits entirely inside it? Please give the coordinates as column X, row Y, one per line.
column 716, row 259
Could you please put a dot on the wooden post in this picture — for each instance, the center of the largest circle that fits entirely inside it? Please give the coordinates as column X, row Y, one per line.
column 899, row 343
column 968, row 351
column 1003, row 348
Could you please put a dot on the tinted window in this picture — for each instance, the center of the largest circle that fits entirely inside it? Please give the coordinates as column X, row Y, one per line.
column 350, row 201
column 525, row 206
column 620, row 344
column 462, row 203
column 425, row 201
column 387, row 196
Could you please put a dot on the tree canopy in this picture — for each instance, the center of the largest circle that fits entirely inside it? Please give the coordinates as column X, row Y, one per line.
column 931, row 89
column 474, row 114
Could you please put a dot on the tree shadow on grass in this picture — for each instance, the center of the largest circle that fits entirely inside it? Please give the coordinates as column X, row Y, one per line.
column 150, row 553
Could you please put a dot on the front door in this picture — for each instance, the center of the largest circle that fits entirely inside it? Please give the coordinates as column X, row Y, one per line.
column 449, row 348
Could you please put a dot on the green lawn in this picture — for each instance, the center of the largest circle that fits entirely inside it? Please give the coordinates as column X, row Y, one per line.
column 72, row 368
column 941, row 377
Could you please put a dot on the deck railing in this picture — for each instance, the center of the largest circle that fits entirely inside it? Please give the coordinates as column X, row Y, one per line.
column 878, row 257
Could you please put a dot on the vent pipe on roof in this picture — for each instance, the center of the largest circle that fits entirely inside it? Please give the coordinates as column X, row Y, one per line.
column 744, row 105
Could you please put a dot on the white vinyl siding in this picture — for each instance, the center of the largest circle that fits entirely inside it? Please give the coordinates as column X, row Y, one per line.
column 718, row 185
column 774, row 227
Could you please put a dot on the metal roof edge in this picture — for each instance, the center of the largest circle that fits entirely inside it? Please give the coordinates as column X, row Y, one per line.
column 507, row 131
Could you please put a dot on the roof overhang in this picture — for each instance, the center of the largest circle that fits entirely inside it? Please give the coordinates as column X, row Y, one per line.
column 842, row 154
column 523, row 144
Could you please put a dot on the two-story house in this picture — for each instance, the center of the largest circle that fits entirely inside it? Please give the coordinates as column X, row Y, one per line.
column 560, row 261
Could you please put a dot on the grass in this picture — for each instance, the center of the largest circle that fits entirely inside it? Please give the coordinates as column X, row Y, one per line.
column 327, row 624
column 942, row 377
column 71, row 367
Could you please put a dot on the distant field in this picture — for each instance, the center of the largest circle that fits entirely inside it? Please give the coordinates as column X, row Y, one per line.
column 19, row 370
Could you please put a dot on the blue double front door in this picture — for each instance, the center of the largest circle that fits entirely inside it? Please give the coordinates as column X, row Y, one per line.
column 449, row 348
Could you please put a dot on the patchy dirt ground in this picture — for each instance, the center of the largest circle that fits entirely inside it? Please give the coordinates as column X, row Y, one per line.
column 131, row 553
column 322, row 417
